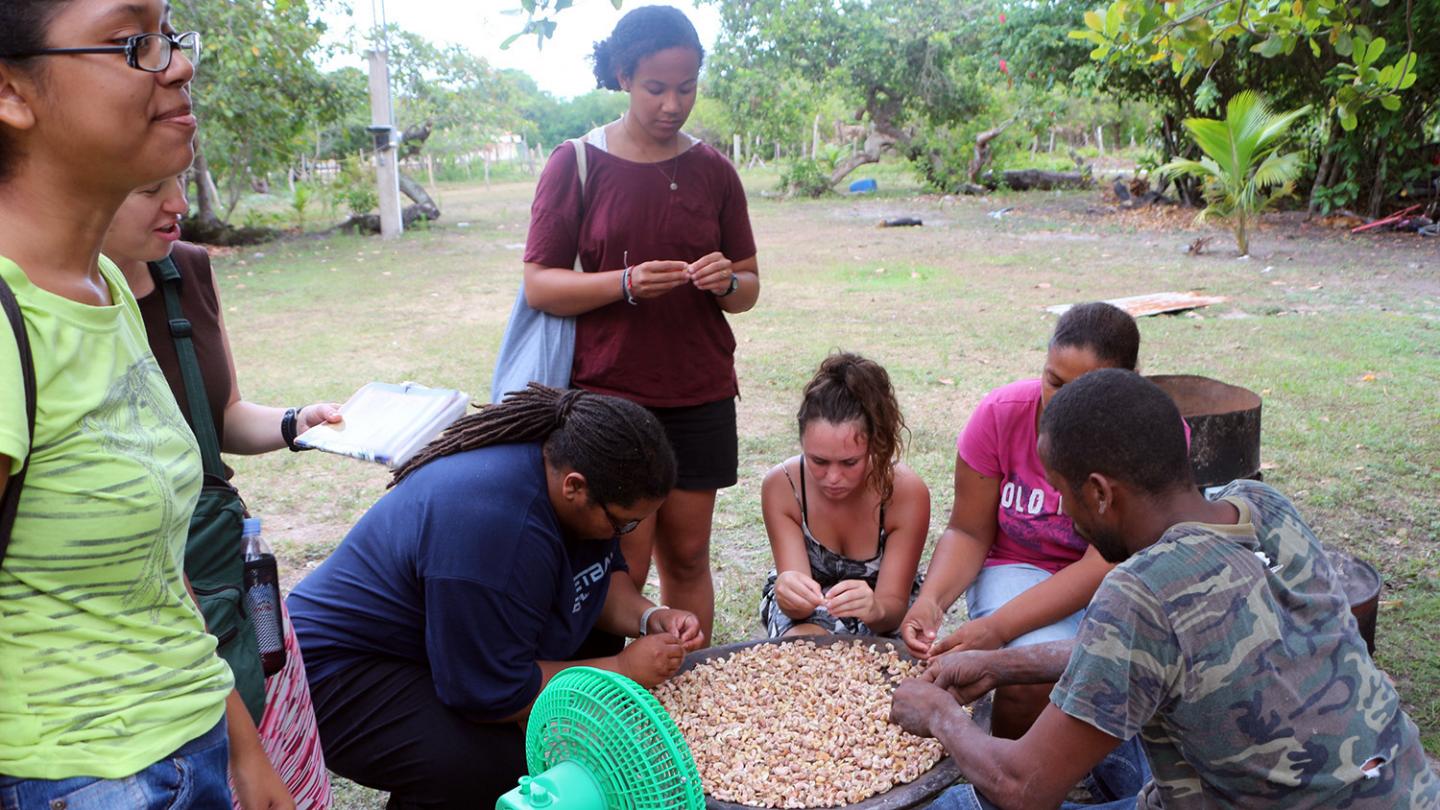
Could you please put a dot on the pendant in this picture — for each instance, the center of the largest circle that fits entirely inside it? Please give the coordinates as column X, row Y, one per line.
column 674, row 185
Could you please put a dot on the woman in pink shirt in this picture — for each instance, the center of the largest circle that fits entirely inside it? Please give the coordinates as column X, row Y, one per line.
column 1025, row 573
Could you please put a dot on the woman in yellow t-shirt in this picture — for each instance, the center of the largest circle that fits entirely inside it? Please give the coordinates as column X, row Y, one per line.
column 110, row 691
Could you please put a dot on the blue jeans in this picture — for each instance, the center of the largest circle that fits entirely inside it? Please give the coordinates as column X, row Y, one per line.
column 997, row 584
column 1115, row 783
column 195, row 777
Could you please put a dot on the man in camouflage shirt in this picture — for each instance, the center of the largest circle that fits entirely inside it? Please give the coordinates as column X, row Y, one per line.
column 1222, row 639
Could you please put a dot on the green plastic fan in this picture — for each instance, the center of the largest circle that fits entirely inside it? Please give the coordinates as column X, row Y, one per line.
column 598, row 741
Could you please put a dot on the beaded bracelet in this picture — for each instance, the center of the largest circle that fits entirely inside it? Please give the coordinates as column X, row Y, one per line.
column 625, row 287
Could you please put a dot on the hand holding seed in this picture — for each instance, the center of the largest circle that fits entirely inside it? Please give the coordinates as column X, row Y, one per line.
column 976, row 634
column 917, row 705
column 798, row 594
column 654, row 279
column 920, row 625
column 682, row 624
column 853, row 598
column 711, row 273
column 649, row 661
column 963, row 674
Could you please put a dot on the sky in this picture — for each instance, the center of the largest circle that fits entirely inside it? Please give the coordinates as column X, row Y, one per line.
column 561, row 67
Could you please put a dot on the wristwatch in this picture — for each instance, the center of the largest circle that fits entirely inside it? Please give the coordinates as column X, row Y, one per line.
column 288, row 430
column 734, row 285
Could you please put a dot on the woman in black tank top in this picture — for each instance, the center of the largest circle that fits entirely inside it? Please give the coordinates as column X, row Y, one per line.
column 847, row 521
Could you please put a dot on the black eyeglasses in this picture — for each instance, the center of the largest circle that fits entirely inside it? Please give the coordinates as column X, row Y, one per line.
column 620, row 527
column 148, row 52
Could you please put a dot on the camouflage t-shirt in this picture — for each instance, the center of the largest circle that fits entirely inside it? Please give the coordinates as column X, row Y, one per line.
column 1233, row 653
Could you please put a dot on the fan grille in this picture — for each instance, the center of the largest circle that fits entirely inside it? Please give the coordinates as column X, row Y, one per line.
column 621, row 734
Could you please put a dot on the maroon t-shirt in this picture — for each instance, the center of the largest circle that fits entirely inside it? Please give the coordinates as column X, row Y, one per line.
column 672, row 351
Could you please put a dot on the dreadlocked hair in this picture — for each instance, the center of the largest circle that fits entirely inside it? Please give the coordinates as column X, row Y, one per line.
column 850, row 388
column 618, row 446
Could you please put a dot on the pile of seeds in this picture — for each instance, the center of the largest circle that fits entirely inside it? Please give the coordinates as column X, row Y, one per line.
column 797, row 725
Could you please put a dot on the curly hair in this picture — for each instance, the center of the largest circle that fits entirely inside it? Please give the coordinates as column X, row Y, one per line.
column 23, row 28
column 644, row 31
column 618, row 446
column 850, row 388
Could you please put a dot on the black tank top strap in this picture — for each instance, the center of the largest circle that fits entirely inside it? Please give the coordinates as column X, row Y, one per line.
column 799, row 496
column 804, row 496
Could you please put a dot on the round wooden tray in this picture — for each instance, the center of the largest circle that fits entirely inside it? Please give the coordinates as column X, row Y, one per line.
column 909, row 795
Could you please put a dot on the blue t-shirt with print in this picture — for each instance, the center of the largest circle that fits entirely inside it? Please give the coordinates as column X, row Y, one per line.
column 462, row 568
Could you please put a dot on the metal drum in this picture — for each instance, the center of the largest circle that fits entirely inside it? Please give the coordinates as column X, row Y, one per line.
column 1361, row 583
column 1224, row 425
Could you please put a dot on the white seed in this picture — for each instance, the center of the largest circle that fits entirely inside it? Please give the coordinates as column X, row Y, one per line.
column 797, row 725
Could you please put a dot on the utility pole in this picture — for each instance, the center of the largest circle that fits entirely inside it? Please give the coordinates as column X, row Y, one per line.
column 387, row 164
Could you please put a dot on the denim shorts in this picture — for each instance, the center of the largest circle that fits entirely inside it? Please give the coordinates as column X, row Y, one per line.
column 195, row 777
column 998, row 584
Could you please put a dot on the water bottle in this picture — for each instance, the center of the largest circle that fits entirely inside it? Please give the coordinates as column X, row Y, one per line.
column 262, row 597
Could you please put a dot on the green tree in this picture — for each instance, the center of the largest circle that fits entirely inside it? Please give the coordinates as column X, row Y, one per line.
column 901, row 66
column 1192, row 41
column 258, row 92
column 1242, row 161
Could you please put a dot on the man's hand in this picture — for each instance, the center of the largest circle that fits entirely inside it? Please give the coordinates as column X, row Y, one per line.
column 920, row 625
column 681, row 624
column 976, row 634
column 963, row 674
column 649, row 661
column 918, row 705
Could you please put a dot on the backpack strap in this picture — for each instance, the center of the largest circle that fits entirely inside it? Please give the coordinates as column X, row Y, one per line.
column 167, row 278
column 10, row 503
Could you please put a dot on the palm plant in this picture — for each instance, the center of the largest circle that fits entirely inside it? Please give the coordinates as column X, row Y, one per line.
column 1241, row 161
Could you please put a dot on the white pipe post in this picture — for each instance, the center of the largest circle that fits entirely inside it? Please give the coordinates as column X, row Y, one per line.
column 387, row 169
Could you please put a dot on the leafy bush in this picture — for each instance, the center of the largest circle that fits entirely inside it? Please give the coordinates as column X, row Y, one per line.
column 355, row 187
column 300, row 202
column 805, row 177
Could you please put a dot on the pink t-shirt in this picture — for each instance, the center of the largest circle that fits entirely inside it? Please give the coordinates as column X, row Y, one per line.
column 999, row 442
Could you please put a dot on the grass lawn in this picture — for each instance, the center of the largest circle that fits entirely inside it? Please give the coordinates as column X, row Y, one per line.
column 1340, row 335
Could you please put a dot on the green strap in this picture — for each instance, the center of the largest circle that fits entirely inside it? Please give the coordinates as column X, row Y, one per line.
column 167, row 278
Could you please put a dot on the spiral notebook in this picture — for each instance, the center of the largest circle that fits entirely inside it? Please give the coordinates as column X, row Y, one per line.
column 387, row 423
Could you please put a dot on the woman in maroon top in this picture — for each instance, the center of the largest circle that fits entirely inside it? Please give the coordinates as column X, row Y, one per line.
column 663, row 234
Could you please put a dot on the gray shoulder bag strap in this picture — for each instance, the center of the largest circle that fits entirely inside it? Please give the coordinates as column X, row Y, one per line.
column 10, row 503
column 583, row 171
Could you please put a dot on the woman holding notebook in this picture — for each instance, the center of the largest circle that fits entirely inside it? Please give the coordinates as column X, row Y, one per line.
column 662, row 230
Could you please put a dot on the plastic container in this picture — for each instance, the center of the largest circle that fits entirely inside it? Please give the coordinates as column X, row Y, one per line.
column 262, row 597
